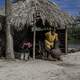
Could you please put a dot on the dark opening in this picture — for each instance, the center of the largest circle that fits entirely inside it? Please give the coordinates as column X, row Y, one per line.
column 61, row 33
column 2, row 37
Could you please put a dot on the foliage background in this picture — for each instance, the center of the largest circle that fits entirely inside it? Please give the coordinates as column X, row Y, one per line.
column 74, row 34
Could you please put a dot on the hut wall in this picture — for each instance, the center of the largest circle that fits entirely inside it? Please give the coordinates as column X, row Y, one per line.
column 2, row 36
column 2, row 43
column 61, row 33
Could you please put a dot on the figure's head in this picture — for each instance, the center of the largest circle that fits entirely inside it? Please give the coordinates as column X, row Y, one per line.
column 52, row 32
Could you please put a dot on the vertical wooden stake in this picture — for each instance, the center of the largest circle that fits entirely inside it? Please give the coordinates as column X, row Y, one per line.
column 34, row 42
column 9, row 43
column 66, row 41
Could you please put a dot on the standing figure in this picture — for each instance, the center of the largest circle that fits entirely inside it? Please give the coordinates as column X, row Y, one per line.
column 26, row 50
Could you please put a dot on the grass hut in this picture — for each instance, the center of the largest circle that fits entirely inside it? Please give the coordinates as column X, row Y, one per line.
column 38, row 15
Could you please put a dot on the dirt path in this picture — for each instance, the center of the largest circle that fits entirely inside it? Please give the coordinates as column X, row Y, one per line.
column 69, row 69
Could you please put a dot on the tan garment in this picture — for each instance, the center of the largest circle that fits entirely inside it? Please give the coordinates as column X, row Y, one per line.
column 50, row 38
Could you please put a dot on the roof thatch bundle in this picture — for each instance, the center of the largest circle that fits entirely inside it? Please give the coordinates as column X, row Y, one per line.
column 77, row 19
column 27, row 11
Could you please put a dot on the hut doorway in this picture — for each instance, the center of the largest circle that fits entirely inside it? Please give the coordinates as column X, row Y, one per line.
column 40, row 37
column 39, row 44
column 19, row 38
column 2, row 36
column 2, row 44
column 61, row 35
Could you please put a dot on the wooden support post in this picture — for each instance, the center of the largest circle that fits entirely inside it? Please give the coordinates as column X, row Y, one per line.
column 34, row 42
column 9, row 37
column 66, row 41
column 9, row 44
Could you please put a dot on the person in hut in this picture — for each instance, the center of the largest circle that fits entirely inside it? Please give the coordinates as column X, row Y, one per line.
column 26, row 45
column 51, row 45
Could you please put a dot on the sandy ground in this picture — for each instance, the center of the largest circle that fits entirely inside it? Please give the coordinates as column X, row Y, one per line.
column 69, row 69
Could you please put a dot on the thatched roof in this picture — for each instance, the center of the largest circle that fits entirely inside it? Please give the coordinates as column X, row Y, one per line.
column 23, row 11
column 78, row 19
column 2, row 22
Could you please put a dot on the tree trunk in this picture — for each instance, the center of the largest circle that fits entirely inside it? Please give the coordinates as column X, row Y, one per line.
column 9, row 43
column 9, row 38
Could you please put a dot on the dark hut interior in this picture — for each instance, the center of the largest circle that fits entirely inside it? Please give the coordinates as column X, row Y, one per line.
column 2, row 36
column 41, row 29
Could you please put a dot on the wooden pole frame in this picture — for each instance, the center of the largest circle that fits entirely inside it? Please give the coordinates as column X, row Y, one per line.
column 34, row 42
column 66, row 40
column 9, row 44
column 34, row 35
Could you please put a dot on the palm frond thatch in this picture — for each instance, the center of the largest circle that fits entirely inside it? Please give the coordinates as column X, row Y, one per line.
column 23, row 11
